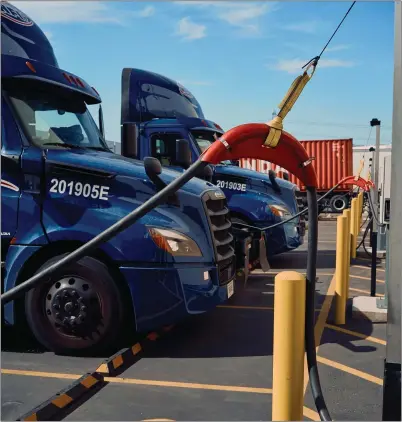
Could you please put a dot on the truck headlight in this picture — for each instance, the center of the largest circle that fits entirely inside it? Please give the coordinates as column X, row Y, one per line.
column 177, row 244
column 279, row 211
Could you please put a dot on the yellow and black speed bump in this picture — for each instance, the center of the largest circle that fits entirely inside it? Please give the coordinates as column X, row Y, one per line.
column 65, row 398
column 126, row 357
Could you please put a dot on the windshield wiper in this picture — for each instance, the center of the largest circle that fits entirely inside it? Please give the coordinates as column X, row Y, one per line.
column 63, row 145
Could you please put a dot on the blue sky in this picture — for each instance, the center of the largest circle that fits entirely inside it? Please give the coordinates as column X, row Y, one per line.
column 237, row 58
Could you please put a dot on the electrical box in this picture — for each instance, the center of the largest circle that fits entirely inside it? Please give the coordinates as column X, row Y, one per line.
column 385, row 186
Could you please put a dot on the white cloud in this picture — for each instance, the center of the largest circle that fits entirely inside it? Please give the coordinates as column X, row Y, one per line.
column 68, row 11
column 147, row 11
column 43, row 12
column 295, row 65
column 338, row 47
column 190, row 30
column 240, row 14
column 308, row 27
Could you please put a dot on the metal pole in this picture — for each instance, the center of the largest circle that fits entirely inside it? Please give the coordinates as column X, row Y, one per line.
column 377, row 124
column 392, row 367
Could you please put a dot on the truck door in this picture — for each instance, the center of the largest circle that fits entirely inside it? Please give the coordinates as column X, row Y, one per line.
column 163, row 146
column 10, row 178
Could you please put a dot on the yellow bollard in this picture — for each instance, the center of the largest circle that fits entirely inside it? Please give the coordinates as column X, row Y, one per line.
column 340, row 271
column 288, row 353
column 357, row 230
column 353, row 226
column 346, row 214
column 360, row 197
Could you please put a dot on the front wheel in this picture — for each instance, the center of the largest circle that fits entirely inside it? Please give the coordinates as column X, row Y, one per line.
column 80, row 309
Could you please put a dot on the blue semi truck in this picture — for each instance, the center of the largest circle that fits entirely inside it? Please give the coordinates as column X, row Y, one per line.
column 159, row 114
column 61, row 186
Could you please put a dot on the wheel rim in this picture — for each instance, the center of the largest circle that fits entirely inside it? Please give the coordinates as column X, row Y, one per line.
column 339, row 204
column 74, row 309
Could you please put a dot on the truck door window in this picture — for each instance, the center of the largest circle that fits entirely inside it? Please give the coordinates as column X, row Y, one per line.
column 205, row 138
column 163, row 147
column 54, row 121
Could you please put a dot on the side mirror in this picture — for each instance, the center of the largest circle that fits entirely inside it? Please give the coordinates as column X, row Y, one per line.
column 129, row 141
column 101, row 122
column 153, row 168
column 272, row 178
column 236, row 163
column 183, row 153
column 208, row 173
column 286, row 176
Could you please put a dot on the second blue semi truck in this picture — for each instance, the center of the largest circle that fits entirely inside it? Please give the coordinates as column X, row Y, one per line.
column 162, row 119
column 61, row 186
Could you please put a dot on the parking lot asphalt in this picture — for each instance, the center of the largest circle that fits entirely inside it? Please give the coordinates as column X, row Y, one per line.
column 218, row 366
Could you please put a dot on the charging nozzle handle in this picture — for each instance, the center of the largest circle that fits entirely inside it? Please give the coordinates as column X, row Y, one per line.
column 106, row 235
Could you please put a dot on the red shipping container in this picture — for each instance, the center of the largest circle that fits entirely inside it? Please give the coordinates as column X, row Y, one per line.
column 333, row 160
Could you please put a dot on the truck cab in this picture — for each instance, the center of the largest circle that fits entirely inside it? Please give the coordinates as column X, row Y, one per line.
column 62, row 186
column 164, row 115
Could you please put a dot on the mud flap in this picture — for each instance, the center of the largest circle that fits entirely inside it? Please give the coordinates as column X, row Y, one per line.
column 242, row 247
column 263, row 254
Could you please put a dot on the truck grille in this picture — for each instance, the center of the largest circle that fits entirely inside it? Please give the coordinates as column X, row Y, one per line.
column 221, row 230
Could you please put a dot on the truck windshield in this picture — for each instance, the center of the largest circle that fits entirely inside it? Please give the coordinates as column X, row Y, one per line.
column 56, row 121
column 204, row 138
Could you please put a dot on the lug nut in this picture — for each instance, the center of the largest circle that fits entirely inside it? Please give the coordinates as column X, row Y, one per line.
column 83, row 308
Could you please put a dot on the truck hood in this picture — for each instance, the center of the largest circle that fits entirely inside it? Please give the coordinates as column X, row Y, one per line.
column 254, row 176
column 261, row 183
column 108, row 163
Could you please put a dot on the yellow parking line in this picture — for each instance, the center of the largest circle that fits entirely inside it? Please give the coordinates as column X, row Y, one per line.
column 364, row 291
column 41, row 374
column 365, row 278
column 356, row 334
column 367, row 268
column 261, row 308
column 277, row 272
column 349, row 370
column 320, row 324
column 135, row 381
column 256, row 308
column 311, row 414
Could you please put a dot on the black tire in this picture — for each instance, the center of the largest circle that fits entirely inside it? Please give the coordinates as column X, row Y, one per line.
column 338, row 203
column 96, row 329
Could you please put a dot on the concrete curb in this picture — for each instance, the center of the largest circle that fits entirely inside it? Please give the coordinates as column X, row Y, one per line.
column 110, row 367
column 66, row 397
